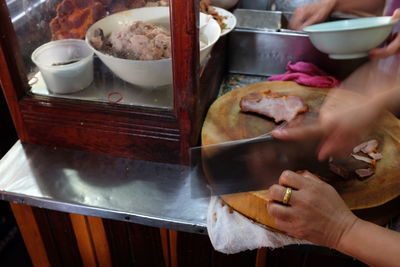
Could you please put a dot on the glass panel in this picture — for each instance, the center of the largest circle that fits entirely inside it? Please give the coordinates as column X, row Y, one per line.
column 131, row 62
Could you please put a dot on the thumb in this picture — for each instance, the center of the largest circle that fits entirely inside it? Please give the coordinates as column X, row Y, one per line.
column 396, row 15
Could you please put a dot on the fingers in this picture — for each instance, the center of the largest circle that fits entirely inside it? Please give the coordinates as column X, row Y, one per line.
column 276, row 193
column 314, row 18
column 310, row 14
column 339, row 144
column 299, row 16
column 291, row 179
column 298, row 133
column 303, row 20
column 387, row 51
column 328, row 148
column 309, row 175
column 296, row 180
column 279, row 212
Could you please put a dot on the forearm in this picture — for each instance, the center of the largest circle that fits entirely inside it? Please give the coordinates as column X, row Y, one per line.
column 371, row 6
column 371, row 244
column 379, row 82
column 386, row 100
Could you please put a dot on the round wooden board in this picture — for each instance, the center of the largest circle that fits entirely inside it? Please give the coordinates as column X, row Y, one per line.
column 224, row 122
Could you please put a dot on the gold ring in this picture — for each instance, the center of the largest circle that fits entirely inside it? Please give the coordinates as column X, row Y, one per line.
column 288, row 194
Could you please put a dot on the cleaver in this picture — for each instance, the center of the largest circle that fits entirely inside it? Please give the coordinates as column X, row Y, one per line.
column 255, row 163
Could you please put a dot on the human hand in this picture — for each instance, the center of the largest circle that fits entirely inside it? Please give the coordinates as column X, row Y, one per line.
column 344, row 118
column 315, row 211
column 311, row 14
column 394, row 43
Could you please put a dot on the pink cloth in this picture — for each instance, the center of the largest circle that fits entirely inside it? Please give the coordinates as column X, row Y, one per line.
column 308, row 74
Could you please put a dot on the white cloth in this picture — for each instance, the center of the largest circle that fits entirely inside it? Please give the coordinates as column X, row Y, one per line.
column 230, row 232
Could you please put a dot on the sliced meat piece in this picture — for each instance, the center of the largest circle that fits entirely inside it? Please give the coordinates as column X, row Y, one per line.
column 372, row 146
column 365, row 159
column 141, row 41
column 75, row 17
column 98, row 39
column 367, row 147
column 359, row 147
column 340, row 170
column 345, row 168
column 366, row 152
column 375, row 155
column 365, row 173
column 276, row 106
column 163, row 42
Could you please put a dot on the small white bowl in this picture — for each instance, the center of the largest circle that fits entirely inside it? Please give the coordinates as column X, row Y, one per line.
column 352, row 38
column 146, row 73
column 211, row 34
column 204, row 19
column 66, row 65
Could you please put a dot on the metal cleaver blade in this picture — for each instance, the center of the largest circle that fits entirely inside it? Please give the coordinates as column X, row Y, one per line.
column 256, row 163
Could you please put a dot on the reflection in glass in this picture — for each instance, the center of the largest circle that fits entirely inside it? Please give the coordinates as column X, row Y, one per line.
column 141, row 78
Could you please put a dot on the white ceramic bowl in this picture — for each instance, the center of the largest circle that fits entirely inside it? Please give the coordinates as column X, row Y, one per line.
column 229, row 20
column 353, row 38
column 209, row 34
column 54, row 62
column 146, row 73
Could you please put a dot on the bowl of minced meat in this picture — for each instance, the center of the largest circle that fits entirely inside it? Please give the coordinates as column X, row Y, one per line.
column 136, row 44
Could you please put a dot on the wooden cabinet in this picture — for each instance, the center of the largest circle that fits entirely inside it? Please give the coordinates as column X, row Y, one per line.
column 59, row 239
column 136, row 131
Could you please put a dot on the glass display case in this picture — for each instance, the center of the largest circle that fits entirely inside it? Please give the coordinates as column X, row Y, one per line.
column 129, row 78
column 125, row 82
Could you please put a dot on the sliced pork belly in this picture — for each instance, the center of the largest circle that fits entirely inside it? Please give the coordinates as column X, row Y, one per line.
column 275, row 106
column 365, row 159
column 346, row 167
column 375, row 155
column 361, row 162
column 367, row 147
column 365, row 173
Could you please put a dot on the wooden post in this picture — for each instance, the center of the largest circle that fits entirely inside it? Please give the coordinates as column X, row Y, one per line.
column 31, row 234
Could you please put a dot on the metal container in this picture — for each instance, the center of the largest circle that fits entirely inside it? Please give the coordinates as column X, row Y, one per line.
column 291, row 5
column 280, row 5
column 265, row 50
column 256, row 4
column 258, row 19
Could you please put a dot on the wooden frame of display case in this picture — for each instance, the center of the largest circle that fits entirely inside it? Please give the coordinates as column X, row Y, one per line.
column 135, row 132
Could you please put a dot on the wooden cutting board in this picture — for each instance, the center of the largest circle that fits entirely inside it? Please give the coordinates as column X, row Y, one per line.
column 225, row 122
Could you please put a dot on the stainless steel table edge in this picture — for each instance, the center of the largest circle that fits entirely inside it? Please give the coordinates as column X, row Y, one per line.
column 166, row 223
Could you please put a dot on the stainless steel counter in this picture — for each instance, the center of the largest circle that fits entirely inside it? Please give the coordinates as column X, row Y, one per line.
column 154, row 194
column 149, row 193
